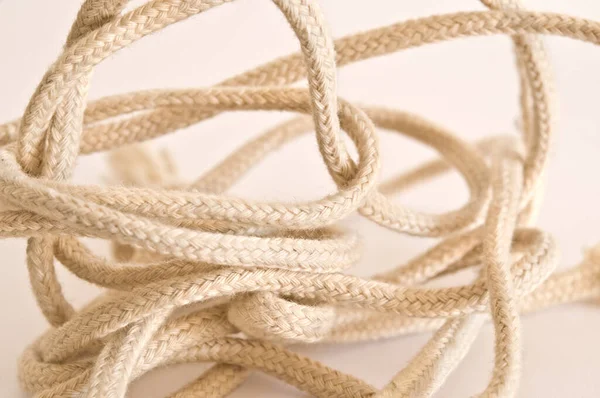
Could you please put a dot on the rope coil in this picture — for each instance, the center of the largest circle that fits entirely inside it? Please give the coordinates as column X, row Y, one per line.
column 198, row 275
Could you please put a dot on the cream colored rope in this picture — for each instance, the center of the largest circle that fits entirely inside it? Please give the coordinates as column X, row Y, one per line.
column 199, row 275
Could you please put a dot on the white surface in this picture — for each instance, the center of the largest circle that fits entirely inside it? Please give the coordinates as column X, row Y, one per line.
column 468, row 85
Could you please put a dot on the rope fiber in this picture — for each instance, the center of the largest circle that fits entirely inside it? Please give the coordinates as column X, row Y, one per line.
column 198, row 275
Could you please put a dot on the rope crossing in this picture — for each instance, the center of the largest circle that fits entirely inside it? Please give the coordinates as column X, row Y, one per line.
column 198, row 275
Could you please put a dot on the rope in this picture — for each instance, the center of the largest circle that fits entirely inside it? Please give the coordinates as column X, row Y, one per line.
column 199, row 275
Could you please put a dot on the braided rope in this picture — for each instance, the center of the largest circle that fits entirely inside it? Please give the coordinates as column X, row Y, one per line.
column 198, row 275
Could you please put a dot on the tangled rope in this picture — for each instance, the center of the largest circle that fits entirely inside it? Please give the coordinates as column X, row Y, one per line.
column 199, row 275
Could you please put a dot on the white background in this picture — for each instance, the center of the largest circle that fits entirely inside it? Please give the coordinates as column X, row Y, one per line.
column 468, row 85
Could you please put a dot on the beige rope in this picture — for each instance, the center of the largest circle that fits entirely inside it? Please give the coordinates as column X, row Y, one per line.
column 199, row 275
